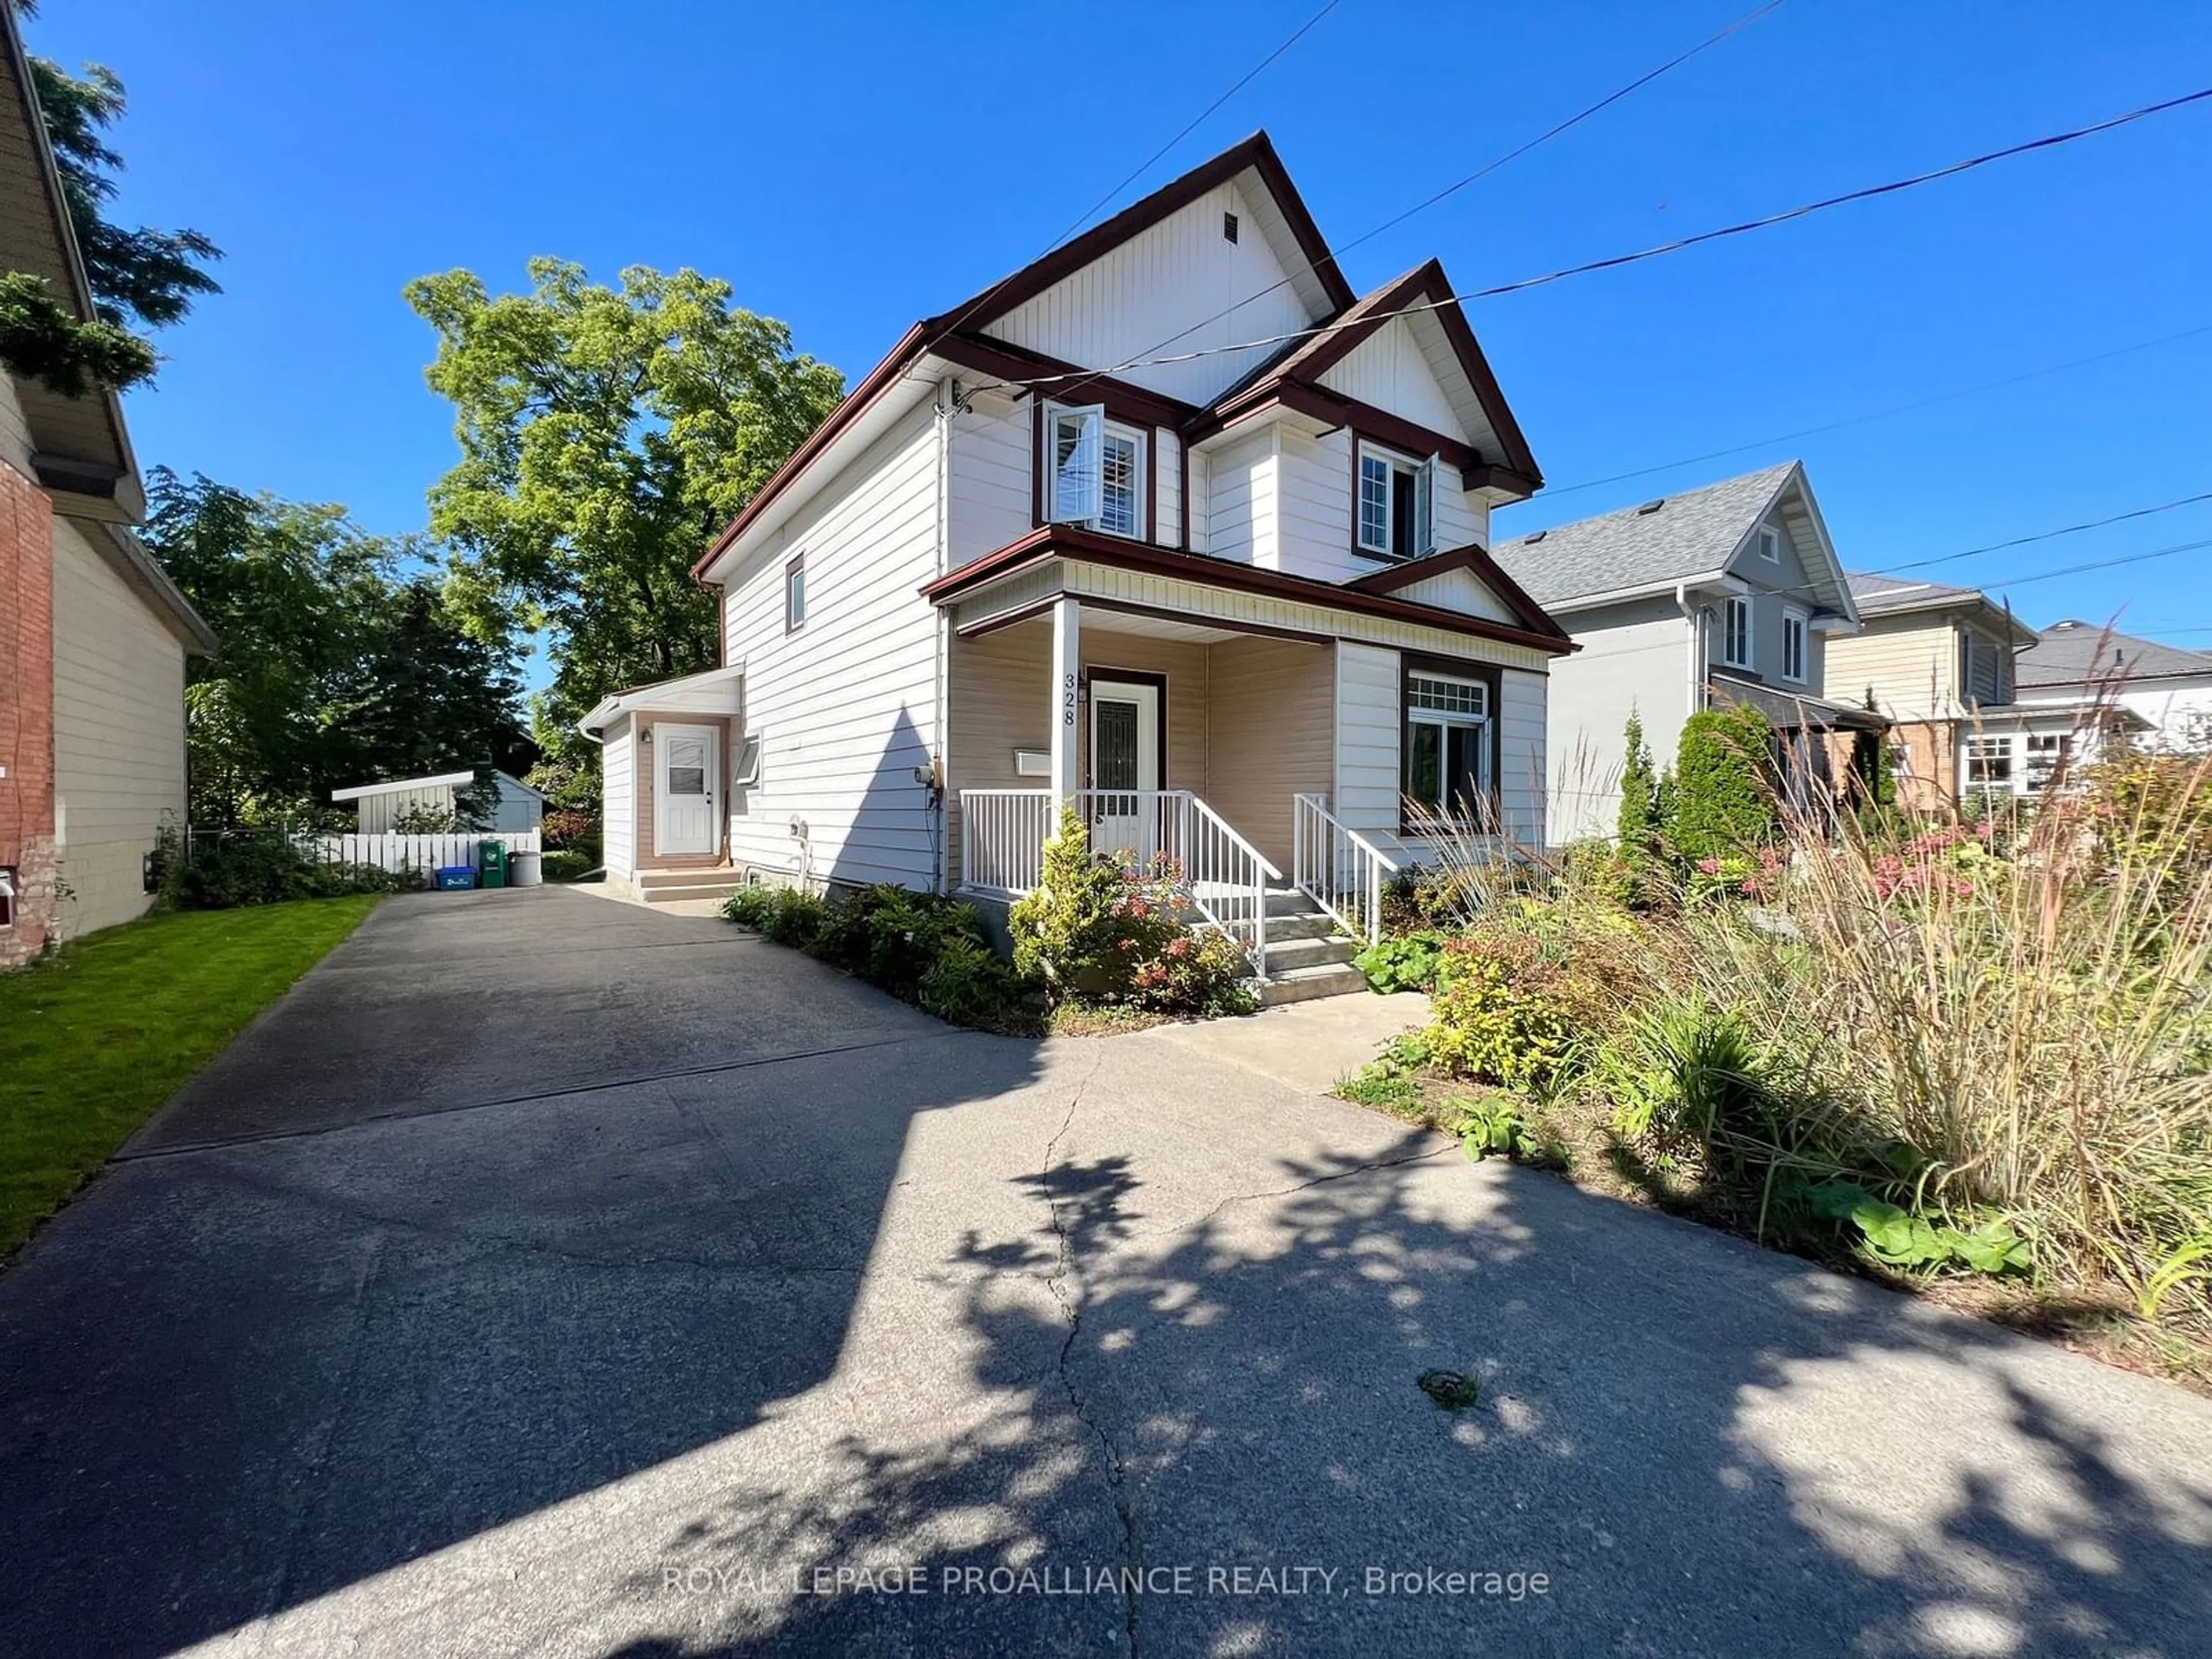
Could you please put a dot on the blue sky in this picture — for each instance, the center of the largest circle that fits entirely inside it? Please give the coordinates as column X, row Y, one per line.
column 850, row 168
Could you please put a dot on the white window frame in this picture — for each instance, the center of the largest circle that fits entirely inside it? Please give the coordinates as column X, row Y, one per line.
column 2059, row 746
column 794, row 592
column 746, row 770
column 1731, row 607
column 1796, row 641
column 1985, row 748
column 1769, row 544
column 1422, row 480
column 1077, row 492
column 1485, row 722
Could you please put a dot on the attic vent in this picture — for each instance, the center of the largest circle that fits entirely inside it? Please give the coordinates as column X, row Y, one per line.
column 1651, row 506
column 1228, row 227
column 1534, row 539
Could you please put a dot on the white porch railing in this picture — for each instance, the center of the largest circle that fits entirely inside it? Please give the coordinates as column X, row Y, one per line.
column 1223, row 875
column 1337, row 868
column 1002, row 837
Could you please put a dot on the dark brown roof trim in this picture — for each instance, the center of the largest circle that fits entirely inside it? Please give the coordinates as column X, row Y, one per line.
column 885, row 375
column 1474, row 557
column 1256, row 153
column 1306, row 364
column 1125, row 400
column 1064, row 541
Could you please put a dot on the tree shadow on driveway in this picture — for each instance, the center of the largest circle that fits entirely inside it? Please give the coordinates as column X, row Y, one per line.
column 1705, row 1449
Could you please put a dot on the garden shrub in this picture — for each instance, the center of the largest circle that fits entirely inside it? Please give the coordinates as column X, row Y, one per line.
column 1723, row 797
column 793, row 917
column 1409, row 962
column 564, row 864
column 263, row 867
column 1505, row 1014
column 1108, row 931
column 1637, row 823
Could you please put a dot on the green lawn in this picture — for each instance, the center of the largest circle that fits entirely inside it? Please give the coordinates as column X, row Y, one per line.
column 95, row 1038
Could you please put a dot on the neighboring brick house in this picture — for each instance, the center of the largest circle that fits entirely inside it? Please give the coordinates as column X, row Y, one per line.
column 93, row 636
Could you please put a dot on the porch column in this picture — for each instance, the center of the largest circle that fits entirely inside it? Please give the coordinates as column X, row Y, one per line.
column 1067, row 710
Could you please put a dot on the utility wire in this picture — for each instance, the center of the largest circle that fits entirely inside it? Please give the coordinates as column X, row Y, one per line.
column 992, row 292
column 1553, row 491
column 2049, row 535
column 1482, row 172
column 1617, row 261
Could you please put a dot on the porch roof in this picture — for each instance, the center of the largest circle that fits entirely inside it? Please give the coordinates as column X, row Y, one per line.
column 1791, row 711
column 716, row 691
column 1042, row 546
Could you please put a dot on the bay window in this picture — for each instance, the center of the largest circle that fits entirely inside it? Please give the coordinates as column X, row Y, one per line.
column 1396, row 513
column 1449, row 755
column 1094, row 471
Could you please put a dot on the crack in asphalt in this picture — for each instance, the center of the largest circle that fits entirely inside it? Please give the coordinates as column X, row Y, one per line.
column 1077, row 1398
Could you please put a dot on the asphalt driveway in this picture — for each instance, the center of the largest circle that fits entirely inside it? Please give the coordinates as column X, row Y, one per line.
column 545, row 1275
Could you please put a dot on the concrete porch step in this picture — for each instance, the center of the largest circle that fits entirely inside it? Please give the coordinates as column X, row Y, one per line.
column 1335, row 979
column 1308, row 951
column 705, row 881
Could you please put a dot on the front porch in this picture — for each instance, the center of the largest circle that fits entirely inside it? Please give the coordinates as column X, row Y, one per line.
column 1210, row 750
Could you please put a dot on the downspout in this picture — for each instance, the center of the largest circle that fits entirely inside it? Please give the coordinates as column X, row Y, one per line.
column 1697, row 679
column 948, row 405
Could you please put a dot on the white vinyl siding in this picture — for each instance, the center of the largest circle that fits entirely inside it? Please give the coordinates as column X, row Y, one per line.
column 617, row 793
column 1522, row 698
column 119, row 733
column 1167, row 284
column 1366, row 795
column 993, row 478
column 845, row 708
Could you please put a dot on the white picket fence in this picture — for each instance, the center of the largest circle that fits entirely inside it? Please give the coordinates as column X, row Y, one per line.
column 425, row 855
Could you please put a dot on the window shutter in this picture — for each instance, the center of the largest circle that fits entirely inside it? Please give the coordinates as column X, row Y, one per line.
column 1076, row 441
column 1425, row 508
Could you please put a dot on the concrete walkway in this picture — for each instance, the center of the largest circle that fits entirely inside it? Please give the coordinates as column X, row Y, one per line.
column 549, row 1276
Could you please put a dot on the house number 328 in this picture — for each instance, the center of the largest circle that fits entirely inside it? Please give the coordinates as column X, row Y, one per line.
column 1068, row 700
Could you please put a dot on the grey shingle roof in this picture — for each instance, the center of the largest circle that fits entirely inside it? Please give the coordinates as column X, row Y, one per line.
column 1875, row 594
column 2076, row 653
column 1690, row 534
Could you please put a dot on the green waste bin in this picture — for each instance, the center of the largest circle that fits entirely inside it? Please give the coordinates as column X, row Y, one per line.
column 491, row 861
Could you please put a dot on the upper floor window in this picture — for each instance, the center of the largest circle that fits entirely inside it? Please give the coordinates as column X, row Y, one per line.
column 1794, row 627
column 1396, row 517
column 794, row 594
column 1769, row 544
column 1094, row 471
column 1736, row 633
column 1982, row 665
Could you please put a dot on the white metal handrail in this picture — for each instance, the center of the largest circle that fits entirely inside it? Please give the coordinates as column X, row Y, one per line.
column 1221, row 874
column 1337, row 868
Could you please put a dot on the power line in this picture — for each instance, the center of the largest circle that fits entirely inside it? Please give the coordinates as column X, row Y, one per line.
column 1484, row 171
column 1617, row 261
column 1551, row 491
column 2049, row 535
column 1296, row 35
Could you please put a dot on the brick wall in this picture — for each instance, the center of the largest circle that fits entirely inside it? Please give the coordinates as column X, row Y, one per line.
column 26, row 713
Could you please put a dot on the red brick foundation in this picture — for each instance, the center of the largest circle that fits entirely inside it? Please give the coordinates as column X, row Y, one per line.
column 26, row 715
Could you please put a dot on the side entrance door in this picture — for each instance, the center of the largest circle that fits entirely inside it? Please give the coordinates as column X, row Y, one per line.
column 1125, row 768
column 684, row 786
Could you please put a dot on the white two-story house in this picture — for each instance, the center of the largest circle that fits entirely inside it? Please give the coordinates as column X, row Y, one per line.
column 1170, row 527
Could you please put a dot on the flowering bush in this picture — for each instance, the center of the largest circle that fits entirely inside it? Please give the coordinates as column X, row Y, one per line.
column 1113, row 932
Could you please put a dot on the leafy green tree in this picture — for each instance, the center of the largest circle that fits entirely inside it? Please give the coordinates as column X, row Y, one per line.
column 1639, row 821
column 142, row 276
column 1723, row 784
column 337, row 666
column 606, row 433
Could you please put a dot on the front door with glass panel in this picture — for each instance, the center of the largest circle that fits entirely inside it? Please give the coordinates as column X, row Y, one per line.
column 684, row 783
column 1125, row 768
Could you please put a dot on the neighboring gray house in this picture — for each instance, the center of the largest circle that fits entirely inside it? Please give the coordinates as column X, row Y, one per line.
column 1722, row 594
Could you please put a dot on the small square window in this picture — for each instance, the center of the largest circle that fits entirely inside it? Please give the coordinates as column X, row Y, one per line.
column 1770, row 544
column 794, row 594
